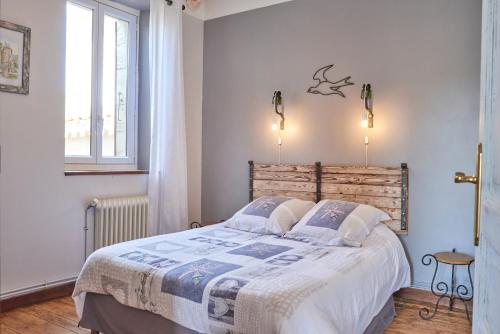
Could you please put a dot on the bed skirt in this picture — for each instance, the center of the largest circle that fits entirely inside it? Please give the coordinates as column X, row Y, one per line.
column 104, row 314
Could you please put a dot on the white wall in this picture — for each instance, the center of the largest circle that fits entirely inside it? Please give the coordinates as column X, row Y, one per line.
column 41, row 210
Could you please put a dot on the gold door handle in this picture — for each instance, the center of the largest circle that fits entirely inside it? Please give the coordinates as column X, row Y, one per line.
column 462, row 178
column 475, row 179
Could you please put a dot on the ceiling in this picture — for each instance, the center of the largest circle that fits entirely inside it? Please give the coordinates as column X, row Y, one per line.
column 211, row 9
column 137, row 4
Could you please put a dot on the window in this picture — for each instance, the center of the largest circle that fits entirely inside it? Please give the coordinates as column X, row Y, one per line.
column 101, row 92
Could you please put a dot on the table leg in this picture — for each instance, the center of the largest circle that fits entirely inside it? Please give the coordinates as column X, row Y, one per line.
column 463, row 291
column 441, row 287
column 450, row 307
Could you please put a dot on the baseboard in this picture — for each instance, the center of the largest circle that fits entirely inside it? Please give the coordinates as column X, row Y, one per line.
column 426, row 296
column 421, row 285
column 42, row 295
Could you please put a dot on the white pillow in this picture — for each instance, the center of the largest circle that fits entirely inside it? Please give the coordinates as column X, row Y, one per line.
column 269, row 215
column 338, row 223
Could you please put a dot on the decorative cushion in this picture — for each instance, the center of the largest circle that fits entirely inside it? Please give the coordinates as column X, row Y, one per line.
column 338, row 223
column 269, row 215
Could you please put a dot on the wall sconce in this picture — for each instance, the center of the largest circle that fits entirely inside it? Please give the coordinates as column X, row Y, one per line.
column 278, row 102
column 367, row 114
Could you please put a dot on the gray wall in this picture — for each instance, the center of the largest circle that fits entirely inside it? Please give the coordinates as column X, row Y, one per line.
column 423, row 60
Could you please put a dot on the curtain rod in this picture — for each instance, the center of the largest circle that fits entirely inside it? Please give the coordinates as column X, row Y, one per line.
column 170, row 3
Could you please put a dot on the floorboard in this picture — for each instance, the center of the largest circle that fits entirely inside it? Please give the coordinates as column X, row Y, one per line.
column 58, row 317
column 408, row 321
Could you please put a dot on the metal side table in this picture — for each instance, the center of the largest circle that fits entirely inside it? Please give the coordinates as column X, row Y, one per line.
column 442, row 290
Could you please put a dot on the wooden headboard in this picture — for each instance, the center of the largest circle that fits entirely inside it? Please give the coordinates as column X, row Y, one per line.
column 385, row 188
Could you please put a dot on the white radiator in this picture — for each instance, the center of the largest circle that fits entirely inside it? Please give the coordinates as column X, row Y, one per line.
column 119, row 219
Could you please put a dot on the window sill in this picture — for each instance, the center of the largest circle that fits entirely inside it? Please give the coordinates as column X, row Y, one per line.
column 104, row 172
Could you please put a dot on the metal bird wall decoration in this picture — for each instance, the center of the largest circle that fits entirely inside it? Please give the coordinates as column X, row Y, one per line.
column 327, row 87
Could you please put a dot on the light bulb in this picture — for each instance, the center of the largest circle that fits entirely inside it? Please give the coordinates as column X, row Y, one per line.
column 275, row 125
column 364, row 119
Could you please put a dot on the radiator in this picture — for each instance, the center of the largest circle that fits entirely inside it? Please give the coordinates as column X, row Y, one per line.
column 119, row 219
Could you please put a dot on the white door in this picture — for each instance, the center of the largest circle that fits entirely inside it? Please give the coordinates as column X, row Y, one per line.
column 486, row 317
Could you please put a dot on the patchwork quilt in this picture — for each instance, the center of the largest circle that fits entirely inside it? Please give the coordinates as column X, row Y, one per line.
column 221, row 280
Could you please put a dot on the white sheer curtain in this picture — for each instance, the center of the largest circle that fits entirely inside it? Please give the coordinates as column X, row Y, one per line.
column 167, row 187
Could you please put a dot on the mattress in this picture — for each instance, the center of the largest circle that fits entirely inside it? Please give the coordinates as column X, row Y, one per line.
column 219, row 280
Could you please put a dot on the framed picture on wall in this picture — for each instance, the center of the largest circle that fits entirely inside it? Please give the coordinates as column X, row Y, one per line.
column 14, row 58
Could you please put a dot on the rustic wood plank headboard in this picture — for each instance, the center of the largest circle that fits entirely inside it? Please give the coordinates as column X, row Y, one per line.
column 383, row 187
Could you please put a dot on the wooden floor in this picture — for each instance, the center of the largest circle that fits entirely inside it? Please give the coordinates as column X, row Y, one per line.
column 408, row 321
column 58, row 317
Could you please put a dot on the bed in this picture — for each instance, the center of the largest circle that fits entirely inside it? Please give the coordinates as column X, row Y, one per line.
column 220, row 280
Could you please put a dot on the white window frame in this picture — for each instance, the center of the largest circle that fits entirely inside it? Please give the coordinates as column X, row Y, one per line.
column 101, row 8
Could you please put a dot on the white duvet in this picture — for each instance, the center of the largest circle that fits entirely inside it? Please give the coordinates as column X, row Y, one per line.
column 221, row 280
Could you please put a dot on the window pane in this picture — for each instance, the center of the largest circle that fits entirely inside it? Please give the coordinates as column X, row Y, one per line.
column 114, row 87
column 78, row 80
